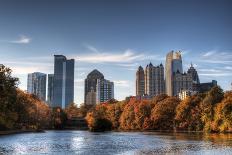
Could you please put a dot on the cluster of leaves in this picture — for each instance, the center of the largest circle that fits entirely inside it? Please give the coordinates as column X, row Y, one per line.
column 210, row 112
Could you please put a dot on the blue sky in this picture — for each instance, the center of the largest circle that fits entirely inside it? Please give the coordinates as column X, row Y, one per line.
column 116, row 37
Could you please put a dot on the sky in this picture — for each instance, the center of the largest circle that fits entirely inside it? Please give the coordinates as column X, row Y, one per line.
column 115, row 37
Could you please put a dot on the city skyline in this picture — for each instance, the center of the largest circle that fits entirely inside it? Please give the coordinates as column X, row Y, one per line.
column 101, row 37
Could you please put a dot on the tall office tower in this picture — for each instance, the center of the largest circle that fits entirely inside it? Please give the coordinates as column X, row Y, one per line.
column 63, row 84
column 91, row 81
column 140, row 82
column 36, row 84
column 154, row 80
column 105, row 90
column 50, row 89
column 173, row 64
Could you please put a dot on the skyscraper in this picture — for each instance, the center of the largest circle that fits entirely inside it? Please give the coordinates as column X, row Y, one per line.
column 140, row 82
column 96, row 85
column 50, row 89
column 154, row 80
column 91, row 81
column 173, row 64
column 63, row 84
column 36, row 84
column 105, row 90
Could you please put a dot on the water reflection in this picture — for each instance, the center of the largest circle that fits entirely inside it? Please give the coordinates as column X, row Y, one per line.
column 84, row 142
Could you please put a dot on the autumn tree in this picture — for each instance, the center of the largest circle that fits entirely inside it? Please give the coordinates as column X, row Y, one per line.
column 214, row 96
column 223, row 114
column 163, row 113
column 188, row 114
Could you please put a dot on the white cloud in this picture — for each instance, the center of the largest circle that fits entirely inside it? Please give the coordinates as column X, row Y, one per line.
column 91, row 48
column 209, row 53
column 127, row 56
column 216, row 57
column 22, row 40
column 123, row 57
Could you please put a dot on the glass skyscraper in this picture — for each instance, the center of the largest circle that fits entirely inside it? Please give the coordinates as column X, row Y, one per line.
column 173, row 65
column 63, row 82
column 36, row 84
column 50, row 89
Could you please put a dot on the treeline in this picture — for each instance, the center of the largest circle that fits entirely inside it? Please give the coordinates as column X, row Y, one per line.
column 20, row 110
column 209, row 112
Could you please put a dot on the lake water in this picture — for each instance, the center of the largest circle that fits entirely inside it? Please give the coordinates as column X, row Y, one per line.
column 84, row 142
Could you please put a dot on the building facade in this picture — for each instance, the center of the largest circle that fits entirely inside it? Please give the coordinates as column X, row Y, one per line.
column 154, row 80
column 96, row 85
column 63, row 82
column 105, row 90
column 140, row 85
column 50, row 92
column 36, row 84
column 91, row 82
column 185, row 81
column 91, row 97
column 173, row 64
column 181, row 82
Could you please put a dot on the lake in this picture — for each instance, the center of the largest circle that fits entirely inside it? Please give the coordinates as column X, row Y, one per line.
column 84, row 142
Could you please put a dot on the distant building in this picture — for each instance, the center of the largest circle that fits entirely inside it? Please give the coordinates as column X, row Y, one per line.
column 154, row 80
column 36, row 84
column 63, row 82
column 185, row 81
column 204, row 87
column 91, row 82
column 50, row 92
column 105, row 90
column 186, row 93
column 1, row 67
column 193, row 72
column 91, row 97
column 95, row 84
column 173, row 64
column 140, row 82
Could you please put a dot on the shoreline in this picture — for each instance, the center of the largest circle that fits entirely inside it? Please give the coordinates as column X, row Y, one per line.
column 10, row 132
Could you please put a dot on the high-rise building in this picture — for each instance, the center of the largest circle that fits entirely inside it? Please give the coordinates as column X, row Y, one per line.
column 105, row 90
column 63, row 82
column 50, row 89
column 173, row 64
column 154, row 80
column 95, row 84
column 36, row 84
column 91, row 81
column 140, row 82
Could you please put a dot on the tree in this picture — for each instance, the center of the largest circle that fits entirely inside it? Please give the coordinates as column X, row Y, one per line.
column 214, row 96
column 223, row 114
column 163, row 113
column 72, row 111
column 188, row 114
column 8, row 85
